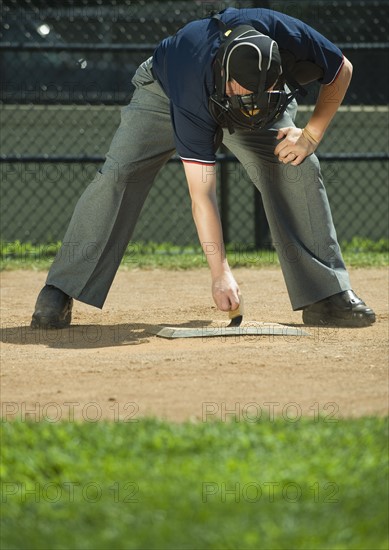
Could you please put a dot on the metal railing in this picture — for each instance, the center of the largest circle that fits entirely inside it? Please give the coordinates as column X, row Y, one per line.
column 357, row 166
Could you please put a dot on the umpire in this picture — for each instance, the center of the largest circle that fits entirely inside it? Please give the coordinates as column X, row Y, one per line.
column 231, row 78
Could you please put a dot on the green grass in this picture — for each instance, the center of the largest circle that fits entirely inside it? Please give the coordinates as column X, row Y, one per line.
column 153, row 485
column 17, row 255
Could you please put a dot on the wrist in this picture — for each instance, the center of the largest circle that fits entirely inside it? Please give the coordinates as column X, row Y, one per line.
column 309, row 135
column 315, row 134
column 220, row 269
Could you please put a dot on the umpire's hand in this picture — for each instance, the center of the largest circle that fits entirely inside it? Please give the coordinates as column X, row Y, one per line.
column 225, row 291
column 294, row 147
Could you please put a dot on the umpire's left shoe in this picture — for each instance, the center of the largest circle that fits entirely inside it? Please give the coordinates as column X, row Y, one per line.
column 53, row 309
column 341, row 310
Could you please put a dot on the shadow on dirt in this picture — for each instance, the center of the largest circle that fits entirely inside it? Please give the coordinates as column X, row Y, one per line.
column 89, row 336
column 94, row 336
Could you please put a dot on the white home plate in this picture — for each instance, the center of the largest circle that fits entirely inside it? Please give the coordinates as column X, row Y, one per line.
column 245, row 329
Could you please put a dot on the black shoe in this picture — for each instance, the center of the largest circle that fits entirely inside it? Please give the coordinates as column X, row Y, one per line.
column 342, row 310
column 53, row 309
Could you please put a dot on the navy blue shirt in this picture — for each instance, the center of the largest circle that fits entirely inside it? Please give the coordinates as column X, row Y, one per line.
column 182, row 64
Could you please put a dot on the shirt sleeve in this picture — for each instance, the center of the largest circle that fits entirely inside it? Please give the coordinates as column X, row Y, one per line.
column 303, row 41
column 194, row 137
column 307, row 44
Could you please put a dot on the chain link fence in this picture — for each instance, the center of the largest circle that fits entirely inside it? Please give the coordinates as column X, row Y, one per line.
column 66, row 70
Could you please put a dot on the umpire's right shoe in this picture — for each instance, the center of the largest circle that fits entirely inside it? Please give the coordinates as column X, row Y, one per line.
column 53, row 309
column 344, row 309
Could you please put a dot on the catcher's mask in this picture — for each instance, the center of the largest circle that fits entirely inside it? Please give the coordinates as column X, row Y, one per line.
column 262, row 107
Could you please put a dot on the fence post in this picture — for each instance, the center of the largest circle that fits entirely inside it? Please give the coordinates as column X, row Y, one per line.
column 224, row 200
column 262, row 237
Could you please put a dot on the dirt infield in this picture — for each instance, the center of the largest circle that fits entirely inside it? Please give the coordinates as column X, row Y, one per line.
column 109, row 364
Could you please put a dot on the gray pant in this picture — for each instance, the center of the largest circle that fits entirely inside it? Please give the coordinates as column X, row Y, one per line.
column 104, row 219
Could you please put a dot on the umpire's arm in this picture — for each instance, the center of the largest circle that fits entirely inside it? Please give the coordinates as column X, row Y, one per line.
column 295, row 146
column 329, row 99
column 202, row 188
